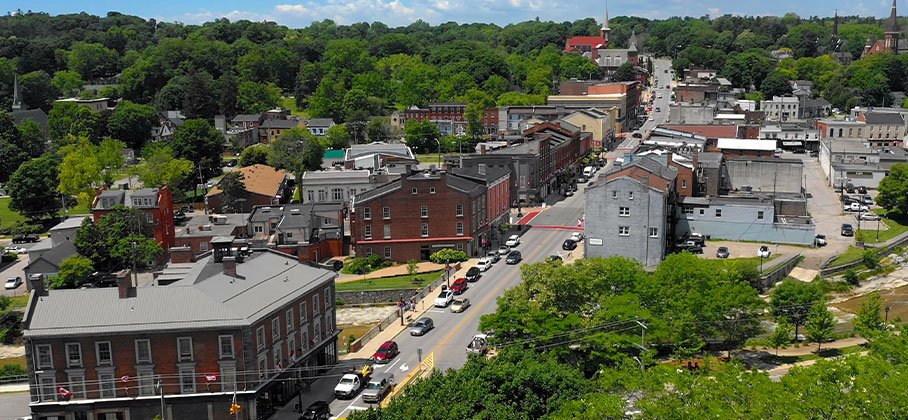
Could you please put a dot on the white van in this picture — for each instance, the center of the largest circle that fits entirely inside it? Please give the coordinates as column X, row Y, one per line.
column 588, row 171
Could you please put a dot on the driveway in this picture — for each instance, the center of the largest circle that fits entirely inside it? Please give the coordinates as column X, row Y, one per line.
column 17, row 269
column 826, row 209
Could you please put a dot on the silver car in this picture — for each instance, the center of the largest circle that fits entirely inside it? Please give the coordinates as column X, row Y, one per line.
column 421, row 326
column 377, row 388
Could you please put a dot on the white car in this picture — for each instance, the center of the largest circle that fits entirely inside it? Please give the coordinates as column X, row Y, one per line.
column 577, row 236
column 444, row 299
column 855, row 207
column 869, row 217
column 12, row 283
column 484, row 264
column 512, row 241
column 764, row 252
column 504, row 250
column 16, row 250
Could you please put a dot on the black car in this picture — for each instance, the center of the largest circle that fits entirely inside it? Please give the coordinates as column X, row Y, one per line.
column 862, row 190
column 847, row 230
column 513, row 258
column 473, row 274
column 319, row 410
column 21, row 239
column 693, row 249
column 569, row 245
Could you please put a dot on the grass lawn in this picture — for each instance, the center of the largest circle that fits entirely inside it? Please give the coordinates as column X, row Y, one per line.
column 346, row 331
column 17, row 302
column 896, row 228
column 290, row 103
column 851, row 255
column 19, row 360
column 7, row 216
column 390, row 283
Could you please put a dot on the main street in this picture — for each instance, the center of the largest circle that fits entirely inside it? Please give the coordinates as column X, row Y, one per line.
column 661, row 79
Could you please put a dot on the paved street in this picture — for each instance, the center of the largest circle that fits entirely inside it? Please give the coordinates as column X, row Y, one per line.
column 13, row 405
column 17, row 269
column 661, row 79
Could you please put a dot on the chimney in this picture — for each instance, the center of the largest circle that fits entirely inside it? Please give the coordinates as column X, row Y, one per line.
column 37, row 285
column 180, row 254
column 230, row 267
column 482, row 149
column 124, row 284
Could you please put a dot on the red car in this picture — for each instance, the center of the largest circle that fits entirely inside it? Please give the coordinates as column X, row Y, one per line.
column 459, row 286
column 386, row 352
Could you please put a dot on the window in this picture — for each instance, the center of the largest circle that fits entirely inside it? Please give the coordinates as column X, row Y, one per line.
column 760, row 215
column 263, row 367
column 367, row 232
column 624, row 230
column 624, row 211
column 278, row 357
column 459, row 210
column 387, row 253
column 414, row 191
column 459, row 247
column 106, row 384
column 459, row 228
column 367, row 213
column 289, row 319
column 143, row 351
column 337, row 194
column 317, row 330
column 718, row 212
column 48, row 387
column 315, row 306
column 683, row 183
column 260, row 338
column 203, row 246
column 149, row 217
column 73, row 355
column 423, row 211
column 369, row 251
column 702, row 212
column 228, row 378
column 614, row 194
column 225, row 346
column 653, row 232
column 328, row 301
column 145, row 380
column 329, row 323
column 77, row 384
column 322, row 195
column 104, row 353
column 387, row 231
column 258, row 229
column 302, row 314
column 431, row 190
column 424, row 230
column 187, row 380
column 184, row 348
column 276, row 328
column 688, row 210
column 630, row 195
column 291, row 348
column 288, row 234
column 310, row 194
column 386, row 212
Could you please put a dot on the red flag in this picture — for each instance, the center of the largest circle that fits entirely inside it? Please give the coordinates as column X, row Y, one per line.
column 65, row 393
column 211, row 378
column 124, row 378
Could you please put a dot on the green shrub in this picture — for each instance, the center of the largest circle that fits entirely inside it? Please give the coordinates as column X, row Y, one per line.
column 871, row 258
column 365, row 265
column 851, row 276
column 8, row 371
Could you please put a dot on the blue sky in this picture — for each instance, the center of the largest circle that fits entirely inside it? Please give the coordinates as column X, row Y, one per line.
column 298, row 13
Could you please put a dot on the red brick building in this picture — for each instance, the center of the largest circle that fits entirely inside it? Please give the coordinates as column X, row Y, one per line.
column 449, row 117
column 155, row 203
column 243, row 326
column 416, row 215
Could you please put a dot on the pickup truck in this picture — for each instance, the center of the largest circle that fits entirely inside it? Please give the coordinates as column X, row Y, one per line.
column 479, row 344
column 353, row 381
column 377, row 388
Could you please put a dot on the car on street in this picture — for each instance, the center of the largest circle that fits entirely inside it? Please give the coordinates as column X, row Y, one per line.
column 847, row 229
column 352, row 381
column 473, row 274
column 318, row 410
column 493, row 256
column 377, row 388
column 862, row 190
column 460, row 305
column 421, row 326
column 513, row 258
column 459, row 286
column 568, row 193
column 871, row 217
column 855, row 207
column 764, row 252
column 504, row 250
column 387, row 351
column 23, row 239
column 722, row 252
column 12, row 283
column 513, row 241
column 16, row 250
column 569, row 245
column 484, row 264
column 868, row 200
column 819, row 240
column 444, row 299
column 577, row 236
column 582, row 180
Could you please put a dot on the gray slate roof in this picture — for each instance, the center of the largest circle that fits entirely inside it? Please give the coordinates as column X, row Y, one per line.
column 57, row 254
column 70, row 223
column 320, row 122
column 284, row 124
column 884, row 118
column 206, row 298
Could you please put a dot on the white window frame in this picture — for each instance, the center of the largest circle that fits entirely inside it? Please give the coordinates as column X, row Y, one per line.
column 102, row 362
column 653, row 232
column 459, row 229
column 329, row 323
column 303, row 314
column 136, row 344
column 624, row 211
column 260, row 338
column 424, row 211
column 180, row 356
column 317, row 330
column 615, row 194
column 228, row 378
column 414, row 191
column 367, row 232
column 70, row 363
column 328, row 302
column 304, row 339
column 221, row 353
column 630, row 195
column 386, row 212
column 718, row 213
column 290, row 317
column 187, row 380
column 47, row 386
column 387, row 252
column 424, row 230
column 262, row 366
column 624, row 231
column 291, row 348
column 77, row 384
column 315, row 306
column 49, row 356
column 107, row 388
column 386, row 231
column 275, row 328
column 458, row 210
column 367, row 213
column 431, row 190
column 145, row 381
column 760, row 215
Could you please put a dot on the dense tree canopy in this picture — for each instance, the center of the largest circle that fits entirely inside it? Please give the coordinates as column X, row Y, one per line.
column 197, row 141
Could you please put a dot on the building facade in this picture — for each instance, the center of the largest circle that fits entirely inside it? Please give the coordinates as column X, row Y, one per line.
column 156, row 204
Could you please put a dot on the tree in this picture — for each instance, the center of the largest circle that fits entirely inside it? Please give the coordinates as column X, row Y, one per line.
column 67, row 121
column 625, row 73
column 793, row 299
column 132, row 123
column 377, row 130
column 893, row 190
column 159, row 167
column 198, row 100
column 197, row 141
column 338, row 137
column 478, row 102
column 86, row 166
column 869, row 320
column 782, row 335
column 74, row 272
column 420, row 135
column 295, row 150
column 137, row 251
column 255, row 98
column 820, row 323
column 31, row 138
column 256, row 154
column 448, row 256
column 412, row 267
column 37, row 90
column 233, row 191
column 92, row 60
column 108, row 243
column 11, row 152
column 775, row 84
column 33, row 188
column 67, row 82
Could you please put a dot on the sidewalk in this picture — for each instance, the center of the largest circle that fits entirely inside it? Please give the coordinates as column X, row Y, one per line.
column 8, row 388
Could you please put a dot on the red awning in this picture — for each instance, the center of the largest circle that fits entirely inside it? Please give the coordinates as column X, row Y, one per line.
column 386, row 241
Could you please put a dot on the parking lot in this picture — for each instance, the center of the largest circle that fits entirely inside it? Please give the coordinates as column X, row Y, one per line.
column 17, row 269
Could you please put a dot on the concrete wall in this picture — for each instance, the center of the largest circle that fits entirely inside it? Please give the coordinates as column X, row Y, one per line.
column 741, row 223
column 603, row 221
column 784, row 176
column 869, row 178
column 687, row 114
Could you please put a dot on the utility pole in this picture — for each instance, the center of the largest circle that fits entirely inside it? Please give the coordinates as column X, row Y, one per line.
column 160, row 387
column 643, row 329
column 135, row 274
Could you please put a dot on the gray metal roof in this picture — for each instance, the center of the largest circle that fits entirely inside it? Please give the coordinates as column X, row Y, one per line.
column 246, row 118
column 71, row 223
column 887, row 118
column 378, row 147
column 280, row 124
column 205, row 298
column 57, row 254
column 320, row 122
column 463, row 184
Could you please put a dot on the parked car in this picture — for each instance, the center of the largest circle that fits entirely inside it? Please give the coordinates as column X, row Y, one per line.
column 850, row 189
column 12, row 283
column 693, row 249
column 22, row 239
column 484, row 264
column 722, row 252
column 16, row 250
column 862, row 190
column 577, row 236
column 819, row 240
column 855, row 207
column 868, row 200
column 504, row 250
column 582, row 180
column 493, row 256
column 553, row 258
column 764, row 252
column 847, row 229
column 422, row 326
column 318, row 410
column 473, row 274
column 697, row 238
column 459, row 286
column 513, row 241
column 568, row 193
column 569, row 245
column 377, row 388
column 460, row 305
column 872, row 217
column 352, row 381
column 513, row 258
column 386, row 352
column 444, row 299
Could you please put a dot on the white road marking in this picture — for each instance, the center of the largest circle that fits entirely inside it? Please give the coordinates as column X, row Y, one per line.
column 404, row 367
column 349, row 407
column 392, row 365
column 437, row 311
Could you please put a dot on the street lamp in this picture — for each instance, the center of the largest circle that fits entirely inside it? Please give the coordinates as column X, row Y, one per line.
column 888, row 308
column 439, row 149
column 448, row 273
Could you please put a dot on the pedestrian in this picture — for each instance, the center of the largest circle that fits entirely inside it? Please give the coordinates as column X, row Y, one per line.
column 413, row 305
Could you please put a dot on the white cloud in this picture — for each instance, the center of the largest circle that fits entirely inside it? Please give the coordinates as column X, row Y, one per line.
column 714, row 11
column 292, row 8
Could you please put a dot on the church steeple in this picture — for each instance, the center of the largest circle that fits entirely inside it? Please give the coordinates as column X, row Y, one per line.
column 605, row 30
column 893, row 21
column 893, row 32
column 835, row 24
column 17, row 101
